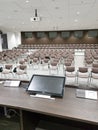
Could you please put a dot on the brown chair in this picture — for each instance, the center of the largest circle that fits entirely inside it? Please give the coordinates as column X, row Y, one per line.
column 95, row 65
column 22, row 62
column 53, row 67
column 83, row 74
column 35, row 63
column 45, row 63
column 7, row 71
column 22, row 71
column 94, row 75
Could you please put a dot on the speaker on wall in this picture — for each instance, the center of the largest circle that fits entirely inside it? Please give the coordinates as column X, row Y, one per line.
column 65, row 34
column 40, row 34
column 52, row 34
column 78, row 34
column 93, row 33
column 28, row 34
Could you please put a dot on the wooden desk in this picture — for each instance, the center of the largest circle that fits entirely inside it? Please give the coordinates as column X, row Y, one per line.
column 69, row 107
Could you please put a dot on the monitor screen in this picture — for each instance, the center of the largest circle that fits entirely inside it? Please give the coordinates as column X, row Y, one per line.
column 47, row 85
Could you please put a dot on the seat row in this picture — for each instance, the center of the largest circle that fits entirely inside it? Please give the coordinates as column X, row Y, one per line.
column 14, row 72
column 82, row 74
column 66, row 45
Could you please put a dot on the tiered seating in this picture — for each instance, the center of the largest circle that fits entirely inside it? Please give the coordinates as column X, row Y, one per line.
column 51, row 58
column 58, row 46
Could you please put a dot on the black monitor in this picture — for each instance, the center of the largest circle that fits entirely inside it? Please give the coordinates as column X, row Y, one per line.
column 47, row 85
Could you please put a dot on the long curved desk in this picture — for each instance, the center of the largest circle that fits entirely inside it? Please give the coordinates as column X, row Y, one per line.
column 69, row 107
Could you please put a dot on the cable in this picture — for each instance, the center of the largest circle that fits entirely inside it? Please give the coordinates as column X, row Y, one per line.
column 10, row 113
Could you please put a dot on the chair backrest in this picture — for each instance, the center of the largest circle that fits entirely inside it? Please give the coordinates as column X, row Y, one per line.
column 95, row 65
column 21, row 62
column 8, row 67
column 53, row 63
column 94, row 70
column 68, row 63
column 83, row 69
column 70, row 69
column 35, row 60
column 22, row 67
column 46, row 60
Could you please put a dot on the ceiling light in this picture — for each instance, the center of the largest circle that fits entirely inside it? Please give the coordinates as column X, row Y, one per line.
column 22, row 22
column 76, row 20
column 78, row 13
column 27, row 1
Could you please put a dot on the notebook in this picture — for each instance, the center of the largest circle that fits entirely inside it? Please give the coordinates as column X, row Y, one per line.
column 86, row 94
column 11, row 83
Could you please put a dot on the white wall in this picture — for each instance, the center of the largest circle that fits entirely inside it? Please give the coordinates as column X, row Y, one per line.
column 14, row 39
column 18, row 38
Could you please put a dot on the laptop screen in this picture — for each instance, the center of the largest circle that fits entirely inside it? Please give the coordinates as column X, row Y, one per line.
column 48, row 85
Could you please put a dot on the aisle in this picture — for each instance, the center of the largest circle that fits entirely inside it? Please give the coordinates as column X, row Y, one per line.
column 79, row 59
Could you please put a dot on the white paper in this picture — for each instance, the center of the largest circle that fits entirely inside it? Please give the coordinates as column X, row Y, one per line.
column 90, row 94
column 9, row 83
column 15, row 83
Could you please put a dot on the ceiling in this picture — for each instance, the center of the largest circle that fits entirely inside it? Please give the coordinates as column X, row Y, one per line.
column 54, row 15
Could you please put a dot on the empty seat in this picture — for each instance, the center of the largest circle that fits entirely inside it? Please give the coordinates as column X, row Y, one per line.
column 95, row 65
column 82, row 75
column 22, row 71
column 70, row 74
column 7, row 71
column 94, row 76
column 53, row 67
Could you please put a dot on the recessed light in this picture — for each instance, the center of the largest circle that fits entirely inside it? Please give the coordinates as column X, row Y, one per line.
column 78, row 13
column 27, row 1
column 76, row 20
column 22, row 22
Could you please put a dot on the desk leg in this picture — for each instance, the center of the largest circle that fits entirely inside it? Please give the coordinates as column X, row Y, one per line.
column 21, row 120
column 5, row 111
